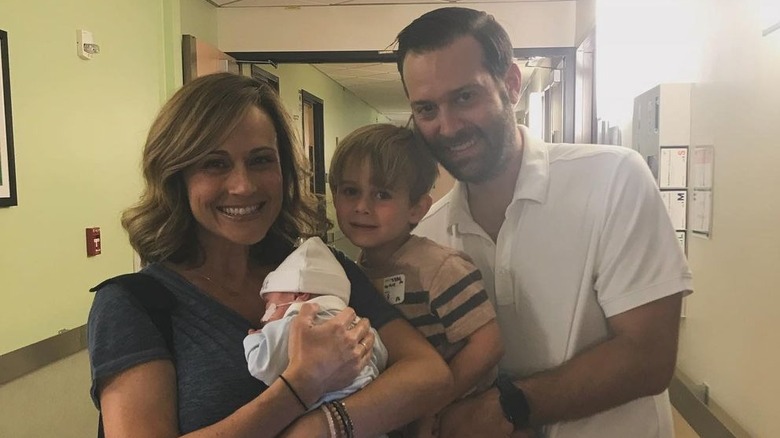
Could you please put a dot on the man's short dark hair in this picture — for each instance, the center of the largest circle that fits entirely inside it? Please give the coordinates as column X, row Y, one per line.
column 439, row 28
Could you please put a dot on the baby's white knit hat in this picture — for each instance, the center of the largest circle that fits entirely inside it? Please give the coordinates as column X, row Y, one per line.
column 311, row 268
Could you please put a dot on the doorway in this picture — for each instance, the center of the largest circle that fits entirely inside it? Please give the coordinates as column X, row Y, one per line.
column 313, row 129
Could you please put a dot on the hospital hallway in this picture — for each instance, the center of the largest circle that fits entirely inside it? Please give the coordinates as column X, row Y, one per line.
column 690, row 87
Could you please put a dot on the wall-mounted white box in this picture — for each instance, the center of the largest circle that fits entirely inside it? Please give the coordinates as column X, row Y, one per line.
column 662, row 117
column 662, row 135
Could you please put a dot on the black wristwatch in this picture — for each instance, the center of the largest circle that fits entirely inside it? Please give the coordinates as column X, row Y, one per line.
column 513, row 403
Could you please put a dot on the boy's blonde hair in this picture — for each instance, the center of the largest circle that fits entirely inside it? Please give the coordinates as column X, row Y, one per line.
column 394, row 156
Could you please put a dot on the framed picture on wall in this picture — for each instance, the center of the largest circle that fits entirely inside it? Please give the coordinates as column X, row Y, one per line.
column 7, row 168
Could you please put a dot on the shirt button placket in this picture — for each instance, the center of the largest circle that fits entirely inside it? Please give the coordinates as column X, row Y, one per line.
column 503, row 272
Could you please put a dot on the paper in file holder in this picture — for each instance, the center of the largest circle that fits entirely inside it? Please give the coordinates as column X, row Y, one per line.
column 702, row 179
column 673, row 168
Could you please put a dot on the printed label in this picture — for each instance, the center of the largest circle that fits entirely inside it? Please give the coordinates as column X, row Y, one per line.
column 394, row 288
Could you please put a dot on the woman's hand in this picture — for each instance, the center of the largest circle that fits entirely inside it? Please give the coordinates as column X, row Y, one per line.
column 328, row 356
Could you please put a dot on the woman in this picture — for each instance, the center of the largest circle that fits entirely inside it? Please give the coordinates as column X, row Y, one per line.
column 224, row 199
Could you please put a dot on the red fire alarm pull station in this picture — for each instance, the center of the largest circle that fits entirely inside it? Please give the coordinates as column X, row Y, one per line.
column 93, row 241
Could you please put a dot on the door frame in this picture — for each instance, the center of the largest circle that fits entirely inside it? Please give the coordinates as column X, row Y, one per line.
column 566, row 54
column 318, row 178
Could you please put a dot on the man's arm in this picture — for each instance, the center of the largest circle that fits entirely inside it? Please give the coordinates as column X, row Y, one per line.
column 638, row 357
column 637, row 361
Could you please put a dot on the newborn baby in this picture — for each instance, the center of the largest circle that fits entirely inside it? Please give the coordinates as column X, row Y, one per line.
column 312, row 274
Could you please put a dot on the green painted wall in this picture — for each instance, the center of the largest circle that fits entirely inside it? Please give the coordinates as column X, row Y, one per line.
column 172, row 75
column 78, row 127
column 343, row 111
column 199, row 19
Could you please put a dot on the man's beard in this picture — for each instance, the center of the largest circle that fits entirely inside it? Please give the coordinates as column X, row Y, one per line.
column 495, row 139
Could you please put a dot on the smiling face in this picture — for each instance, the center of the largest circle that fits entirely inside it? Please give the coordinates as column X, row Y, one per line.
column 376, row 219
column 235, row 192
column 465, row 116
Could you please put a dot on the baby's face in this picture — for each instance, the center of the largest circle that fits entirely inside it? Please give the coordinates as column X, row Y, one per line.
column 278, row 299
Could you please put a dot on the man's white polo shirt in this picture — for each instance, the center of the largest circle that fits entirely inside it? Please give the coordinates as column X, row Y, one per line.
column 586, row 237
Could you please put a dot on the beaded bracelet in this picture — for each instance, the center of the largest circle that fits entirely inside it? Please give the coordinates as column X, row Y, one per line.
column 341, row 425
column 348, row 425
column 329, row 417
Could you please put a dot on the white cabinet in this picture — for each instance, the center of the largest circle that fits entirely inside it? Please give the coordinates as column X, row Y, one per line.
column 662, row 135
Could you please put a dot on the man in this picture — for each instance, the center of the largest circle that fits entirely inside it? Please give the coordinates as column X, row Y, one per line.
column 573, row 241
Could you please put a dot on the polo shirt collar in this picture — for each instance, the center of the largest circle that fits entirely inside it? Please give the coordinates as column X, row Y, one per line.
column 532, row 183
column 534, row 178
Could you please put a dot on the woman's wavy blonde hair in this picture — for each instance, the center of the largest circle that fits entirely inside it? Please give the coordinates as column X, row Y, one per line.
column 194, row 122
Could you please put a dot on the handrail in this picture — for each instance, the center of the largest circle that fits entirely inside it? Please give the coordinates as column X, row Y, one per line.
column 33, row 357
column 704, row 415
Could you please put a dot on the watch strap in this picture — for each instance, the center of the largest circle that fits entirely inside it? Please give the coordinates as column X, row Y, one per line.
column 513, row 403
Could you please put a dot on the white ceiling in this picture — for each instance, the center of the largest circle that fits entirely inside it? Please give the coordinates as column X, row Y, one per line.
column 305, row 3
column 377, row 84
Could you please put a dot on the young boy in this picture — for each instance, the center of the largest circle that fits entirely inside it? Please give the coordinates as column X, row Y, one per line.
column 380, row 180
column 309, row 274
